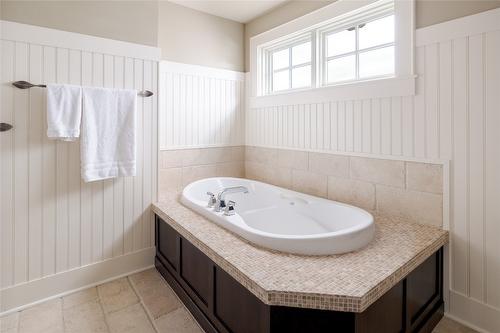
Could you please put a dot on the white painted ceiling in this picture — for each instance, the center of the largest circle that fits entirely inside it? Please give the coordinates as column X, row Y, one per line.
column 237, row 10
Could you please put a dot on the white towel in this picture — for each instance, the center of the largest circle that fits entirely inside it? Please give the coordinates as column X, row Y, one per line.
column 64, row 111
column 108, row 133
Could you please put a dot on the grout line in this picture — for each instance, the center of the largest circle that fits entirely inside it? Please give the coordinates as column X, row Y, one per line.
column 104, row 314
column 141, row 302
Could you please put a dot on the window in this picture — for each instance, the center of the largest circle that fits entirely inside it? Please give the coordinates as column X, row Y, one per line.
column 356, row 45
column 361, row 51
column 290, row 65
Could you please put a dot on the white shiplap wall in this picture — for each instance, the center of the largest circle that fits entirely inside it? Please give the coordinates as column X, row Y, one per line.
column 454, row 116
column 52, row 221
column 200, row 106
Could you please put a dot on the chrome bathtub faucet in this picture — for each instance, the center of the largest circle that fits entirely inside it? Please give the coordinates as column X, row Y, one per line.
column 221, row 197
column 229, row 209
column 212, row 200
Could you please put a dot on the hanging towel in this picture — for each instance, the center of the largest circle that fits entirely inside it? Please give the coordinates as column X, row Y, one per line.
column 108, row 133
column 64, row 111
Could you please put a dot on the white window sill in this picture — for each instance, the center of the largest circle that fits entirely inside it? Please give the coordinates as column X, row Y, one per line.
column 377, row 88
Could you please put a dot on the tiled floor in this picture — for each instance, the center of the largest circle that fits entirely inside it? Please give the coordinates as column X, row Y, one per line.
column 140, row 303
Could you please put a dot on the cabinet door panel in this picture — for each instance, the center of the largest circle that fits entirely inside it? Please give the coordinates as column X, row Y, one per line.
column 167, row 243
column 423, row 287
column 196, row 271
column 237, row 308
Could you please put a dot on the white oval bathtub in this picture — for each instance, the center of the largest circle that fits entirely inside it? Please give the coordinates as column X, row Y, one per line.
column 284, row 220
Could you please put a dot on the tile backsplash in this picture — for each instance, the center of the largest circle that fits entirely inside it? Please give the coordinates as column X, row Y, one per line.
column 180, row 167
column 411, row 190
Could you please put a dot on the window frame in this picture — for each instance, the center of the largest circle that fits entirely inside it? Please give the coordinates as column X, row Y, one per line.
column 289, row 43
column 401, row 84
column 324, row 32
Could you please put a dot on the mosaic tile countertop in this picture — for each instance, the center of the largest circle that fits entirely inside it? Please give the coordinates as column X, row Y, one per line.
column 348, row 282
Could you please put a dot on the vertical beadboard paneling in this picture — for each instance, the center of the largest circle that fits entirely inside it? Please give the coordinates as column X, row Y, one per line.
column 476, row 166
column 52, row 221
column 7, row 168
column 20, row 167
column 459, row 167
column 202, row 107
column 35, row 160
column 492, row 167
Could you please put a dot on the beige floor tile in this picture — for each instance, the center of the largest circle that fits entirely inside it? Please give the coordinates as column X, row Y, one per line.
column 9, row 323
column 132, row 319
column 160, row 300
column 447, row 325
column 85, row 318
column 179, row 321
column 116, row 295
column 46, row 317
column 80, row 297
column 157, row 296
column 142, row 279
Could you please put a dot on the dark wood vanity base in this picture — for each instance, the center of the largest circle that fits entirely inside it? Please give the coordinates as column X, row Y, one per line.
column 221, row 304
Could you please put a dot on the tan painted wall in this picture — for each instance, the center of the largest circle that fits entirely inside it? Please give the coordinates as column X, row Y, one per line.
column 131, row 21
column 184, row 35
column 428, row 12
column 431, row 12
column 285, row 13
column 189, row 36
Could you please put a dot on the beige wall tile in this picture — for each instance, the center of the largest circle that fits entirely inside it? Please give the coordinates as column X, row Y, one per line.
column 309, row 182
column 200, row 156
column 85, row 318
column 385, row 172
column 116, row 295
column 254, row 170
column 278, row 176
column 419, row 207
column 193, row 173
column 171, row 158
column 424, row 177
column 80, row 297
column 44, row 317
column 132, row 319
column 231, row 169
column 353, row 192
column 238, row 154
column 170, row 179
column 213, row 155
column 293, row 159
column 328, row 164
column 179, row 321
column 267, row 156
column 272, row 175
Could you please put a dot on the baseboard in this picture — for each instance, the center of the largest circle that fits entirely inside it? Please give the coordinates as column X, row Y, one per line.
column 478, row 316
column 20, row 296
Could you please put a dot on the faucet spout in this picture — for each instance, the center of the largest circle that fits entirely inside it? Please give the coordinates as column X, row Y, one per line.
column 221, row 197
column 234, row 189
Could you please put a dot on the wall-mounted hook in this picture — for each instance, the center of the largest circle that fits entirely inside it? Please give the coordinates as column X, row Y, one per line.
column 5, row 127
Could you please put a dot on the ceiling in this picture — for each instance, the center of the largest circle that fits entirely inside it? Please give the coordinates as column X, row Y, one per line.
column 237, row 10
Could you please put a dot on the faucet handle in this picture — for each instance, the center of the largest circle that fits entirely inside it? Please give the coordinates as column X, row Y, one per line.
column 212, row 200
column 229, row 210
